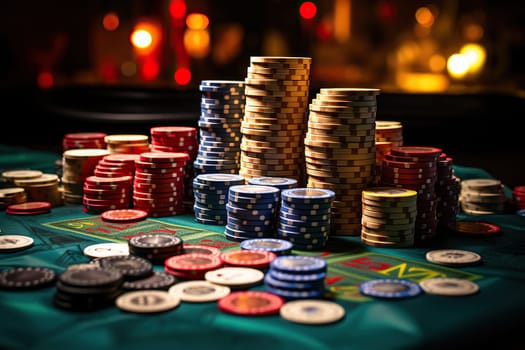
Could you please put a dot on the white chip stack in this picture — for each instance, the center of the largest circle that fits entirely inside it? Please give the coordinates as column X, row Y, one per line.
column 482, row 196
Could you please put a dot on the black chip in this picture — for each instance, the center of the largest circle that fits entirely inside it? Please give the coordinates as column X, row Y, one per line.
column 26, row 277
column 132, row 267
column 158, row 280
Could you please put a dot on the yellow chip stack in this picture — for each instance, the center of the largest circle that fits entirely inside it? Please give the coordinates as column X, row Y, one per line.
column 127, row 143
column 340, row 150
column 276, row 90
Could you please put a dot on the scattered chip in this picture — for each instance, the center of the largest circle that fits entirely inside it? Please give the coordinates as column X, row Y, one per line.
column 449, row 286
column 390, row 288
column 10, row 243
column 312, row 311
column 101, row 250
column 124, row 215
column 251, row 303
column 29, row 277
column 198, row 291
column 475, row 227
column 147, row 301
column 235, row 277
column 452, row 257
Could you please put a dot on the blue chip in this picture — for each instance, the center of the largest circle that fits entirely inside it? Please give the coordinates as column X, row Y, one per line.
column 279, row 182
column 297, row 277
column 308, row 195
column 299, row 264
column 270, row 280
column 296, row 294
column 390, row 288
column 303, row 211
column 220, row 179
column 274, row 245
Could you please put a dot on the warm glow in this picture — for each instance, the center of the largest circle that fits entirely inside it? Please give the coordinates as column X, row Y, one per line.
column 457, row 65
column 182, row 76
column 424, row 17
column 177, row 9
column 422, row 82
column 473, row 32
column 197, row 21
column 128, row 69
column 150, row 69
column 45, row 80
column 342, row 20
column 197, row 43
column 110, row 22
column 437, row 63
column 475, row 55
column 307, row 10
column 141, row 38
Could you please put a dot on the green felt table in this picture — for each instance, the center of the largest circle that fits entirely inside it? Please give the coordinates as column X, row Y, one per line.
column 29, row 320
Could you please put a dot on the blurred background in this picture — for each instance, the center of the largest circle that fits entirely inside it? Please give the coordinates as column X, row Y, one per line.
column 452, row 71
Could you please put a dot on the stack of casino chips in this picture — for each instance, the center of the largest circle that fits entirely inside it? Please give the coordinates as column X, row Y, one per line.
column 415, row 168
column 44, row 188
column 132, row 267
column 77, row 140
column 12, row 195
column 178, row 139
column 389, row 217
column 448, row 188
column 389, row 131
column 127, row 143
column 518, row 197
column 276, row 90
column 87, row 288
column 304, row 217
column 222, row 108
column 155, row 247
column 106, row 193
column 296, row 277
column 192, row 266
column 340, row 150
column 211, row 195
column 116, row 165
column 251, row 212
column 77, row 165
column 482, row 196
column 158, row 185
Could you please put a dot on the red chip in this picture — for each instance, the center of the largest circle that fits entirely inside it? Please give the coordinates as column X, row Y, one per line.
column 248, row 258
column 251, row 303
column 124, row 215
column 475, row 227
column 29, row 208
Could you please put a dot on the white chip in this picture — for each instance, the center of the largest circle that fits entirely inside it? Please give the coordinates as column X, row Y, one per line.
column 14, row 242
column 147, row 301
column 101, row 250
column 312, row 311
column 452, row 257
column 449, row 286
column 235, row 277
column 21, row 174
column 198, row 291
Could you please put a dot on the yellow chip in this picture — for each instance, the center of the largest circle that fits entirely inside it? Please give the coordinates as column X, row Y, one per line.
column 389, row 192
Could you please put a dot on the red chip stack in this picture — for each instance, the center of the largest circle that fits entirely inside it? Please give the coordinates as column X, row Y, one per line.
column 106, row 193
column 158, row 186
column 116, row 165
column 415, row 168
column 77, row 140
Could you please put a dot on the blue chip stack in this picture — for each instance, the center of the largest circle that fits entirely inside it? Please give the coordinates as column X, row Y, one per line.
column 222, row 110
column 304, row 217
column 251, row 212
column 210, row 193
column 296, row 277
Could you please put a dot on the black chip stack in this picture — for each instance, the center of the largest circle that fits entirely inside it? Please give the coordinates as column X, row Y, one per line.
column 155, row 247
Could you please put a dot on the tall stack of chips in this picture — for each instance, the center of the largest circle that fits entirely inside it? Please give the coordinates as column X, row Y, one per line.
column 127, row 143
column 178, row 139
column 222, row 108
column 340, row 150
column 415, row 168
column 158, row 185
column 448, row 188
column 276, row 90
column 106, row 193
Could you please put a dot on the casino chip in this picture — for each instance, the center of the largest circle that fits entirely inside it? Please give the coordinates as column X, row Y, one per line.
column 101, row 250
column 26, row 277
column 449, row 286
column 158, row 280
column 452, row 257
column 312, row 311
column 390, row 288
column 251, row 303
column 124, row 215
column 29, row 208
column 147, row 301
column 274, row 245
column 131, row 266
column 12, row 243
column 198, row 291
column 235, row 277
column 480, row 228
